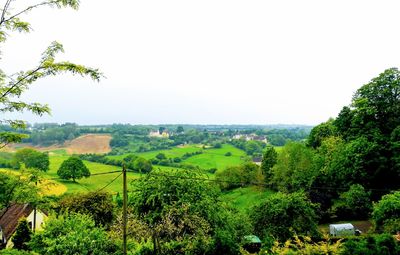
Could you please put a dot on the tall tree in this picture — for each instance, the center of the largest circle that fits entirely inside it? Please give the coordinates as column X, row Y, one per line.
column 268, row 161
column 13, row 86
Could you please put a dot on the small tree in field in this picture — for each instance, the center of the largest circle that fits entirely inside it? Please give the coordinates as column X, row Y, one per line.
column 73, row 168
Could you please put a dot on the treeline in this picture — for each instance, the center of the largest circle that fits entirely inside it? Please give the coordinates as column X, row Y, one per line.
column 349, row 161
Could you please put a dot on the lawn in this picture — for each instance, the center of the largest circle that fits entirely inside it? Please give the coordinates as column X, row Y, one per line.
column 245, row 198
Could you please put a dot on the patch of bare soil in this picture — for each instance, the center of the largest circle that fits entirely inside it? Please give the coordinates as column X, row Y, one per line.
column 91, row 143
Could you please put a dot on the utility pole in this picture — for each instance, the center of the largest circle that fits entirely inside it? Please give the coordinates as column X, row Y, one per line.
column 34, row 215
column 124, row 214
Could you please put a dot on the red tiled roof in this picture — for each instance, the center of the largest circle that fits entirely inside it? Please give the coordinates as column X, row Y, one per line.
column 9, row 218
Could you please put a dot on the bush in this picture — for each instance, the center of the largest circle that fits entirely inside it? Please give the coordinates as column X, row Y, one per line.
column 353, row 204
column 283, row 216
column 386, row 213
column 228, row 154
column 372, row 245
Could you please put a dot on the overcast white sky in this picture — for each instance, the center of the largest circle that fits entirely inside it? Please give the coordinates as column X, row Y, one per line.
column 208, row 61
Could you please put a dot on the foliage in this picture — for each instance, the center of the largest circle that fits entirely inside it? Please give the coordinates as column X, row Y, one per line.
column 33, row 159
column 380, row 244
column 320, row 132
column 268, row 161
column 98, row 205
column 294, row 168
column 60, row 236
column 73, row 168
column 185, row 214
column 353, row 204
column 282, row 216
column 303, row 246
column 22, row 235
column 239, row 176
column 387, row 212
column 13, row 86
column 16, row 188
column 15, row 252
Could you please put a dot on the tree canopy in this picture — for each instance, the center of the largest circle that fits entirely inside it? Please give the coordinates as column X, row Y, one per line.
column 73, row 168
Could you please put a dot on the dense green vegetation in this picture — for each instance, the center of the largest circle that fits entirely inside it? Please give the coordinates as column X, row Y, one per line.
column 194, row 189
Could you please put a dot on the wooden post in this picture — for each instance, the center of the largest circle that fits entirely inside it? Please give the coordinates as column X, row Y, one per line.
column 124, row 214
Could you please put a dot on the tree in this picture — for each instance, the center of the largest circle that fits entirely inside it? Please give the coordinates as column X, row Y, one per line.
column 16, row 188
column 353, row 204
column 179, row 130
column 98, row 205
column 294, row 168
column 281, row 216
column 73, row 168
column 22, row 235
column 239, row 176
column 33, row 159
column 320, row 132
column 386, row 213
column 13, row 86
column 142, row 165
column 185, row 214
column 72, row 234
column 268, row 161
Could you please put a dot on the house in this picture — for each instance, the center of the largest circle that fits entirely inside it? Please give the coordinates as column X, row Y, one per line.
column 10, row 216
column 164, row 134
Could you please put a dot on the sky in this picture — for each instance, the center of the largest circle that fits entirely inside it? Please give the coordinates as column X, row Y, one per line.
column 208, row 61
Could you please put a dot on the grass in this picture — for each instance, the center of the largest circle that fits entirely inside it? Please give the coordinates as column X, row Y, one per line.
column 245, row 198
column 92, row 183
column 171, row 153
column 215, row 158
column 210, row 158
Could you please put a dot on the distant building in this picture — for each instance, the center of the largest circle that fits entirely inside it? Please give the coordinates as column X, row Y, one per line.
column 164, row 134
column 10, row 216
column 251, row 137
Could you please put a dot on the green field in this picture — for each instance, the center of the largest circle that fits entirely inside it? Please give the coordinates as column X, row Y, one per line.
column 245, row 198
column 92, row 183
column 210, row 158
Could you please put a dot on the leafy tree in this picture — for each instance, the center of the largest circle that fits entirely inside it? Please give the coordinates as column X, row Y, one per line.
column 379, row 101
column 283, row 216
column 353, row 204
column 73, row 168
column 16, row 188
column 239, row 176
column 142, row 165
column 253, row 147
column 33, row 159
column 268, row 161
column 179, row 130
column 99, row 205
column 72, row 234
column 22, row 235
column 12, row 86
column 386, row 213
column 294, row 168
column 320, row 132
column 184, row 213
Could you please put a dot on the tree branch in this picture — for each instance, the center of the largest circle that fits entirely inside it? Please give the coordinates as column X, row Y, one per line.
column 20, row 80
column 3, row 19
